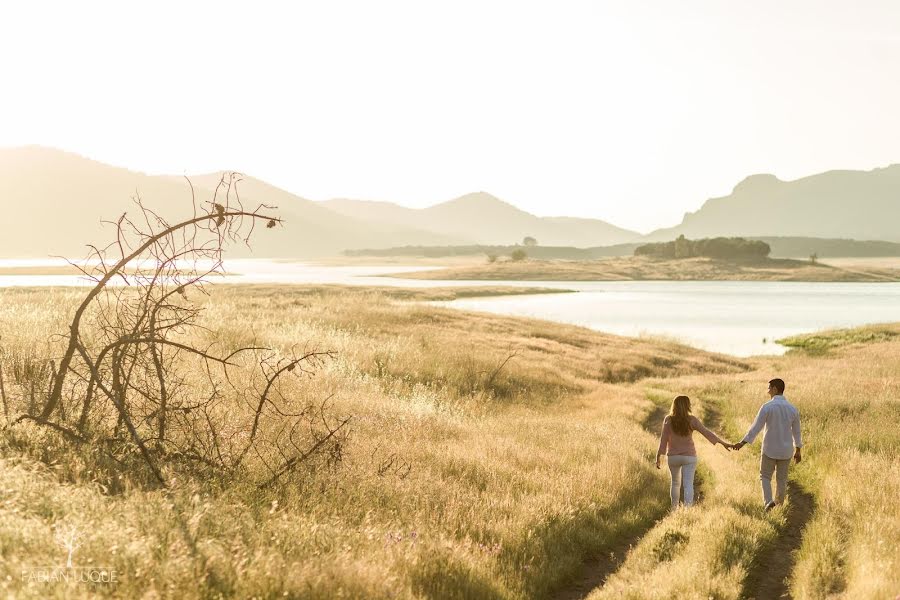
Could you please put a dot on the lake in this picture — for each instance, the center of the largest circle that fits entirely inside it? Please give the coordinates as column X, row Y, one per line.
column 741, row 318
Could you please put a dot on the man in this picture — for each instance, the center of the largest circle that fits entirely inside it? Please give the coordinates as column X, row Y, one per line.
column 781, row 440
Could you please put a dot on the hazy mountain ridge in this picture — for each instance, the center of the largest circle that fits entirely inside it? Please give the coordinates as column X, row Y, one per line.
column 59, row 199
column 54, row 202
column 862, row 205
column 481, row 218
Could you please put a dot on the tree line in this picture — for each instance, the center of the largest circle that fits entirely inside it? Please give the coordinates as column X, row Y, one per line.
column 719, row 247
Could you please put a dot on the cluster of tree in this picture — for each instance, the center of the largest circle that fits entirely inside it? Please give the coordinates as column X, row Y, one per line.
column 720, row 247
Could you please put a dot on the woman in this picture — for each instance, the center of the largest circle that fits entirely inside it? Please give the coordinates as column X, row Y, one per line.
column 676, row 442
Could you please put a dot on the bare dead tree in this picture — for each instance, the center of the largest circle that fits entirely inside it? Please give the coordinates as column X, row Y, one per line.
column 134, row 376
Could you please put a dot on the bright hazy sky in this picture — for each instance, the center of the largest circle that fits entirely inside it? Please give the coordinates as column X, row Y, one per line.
column 633, row 112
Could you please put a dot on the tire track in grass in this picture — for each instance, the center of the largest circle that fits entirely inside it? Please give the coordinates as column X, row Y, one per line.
column 767, row 577
column 774, row 563
column 596, row 571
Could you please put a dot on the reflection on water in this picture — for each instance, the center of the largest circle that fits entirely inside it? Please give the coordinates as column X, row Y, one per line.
column 741, row 318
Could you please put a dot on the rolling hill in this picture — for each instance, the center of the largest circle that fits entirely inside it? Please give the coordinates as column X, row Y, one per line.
column 861, row 205
column 481, row 218
column 53, row 203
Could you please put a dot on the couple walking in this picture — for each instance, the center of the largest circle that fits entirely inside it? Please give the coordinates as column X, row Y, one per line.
column 781, row 440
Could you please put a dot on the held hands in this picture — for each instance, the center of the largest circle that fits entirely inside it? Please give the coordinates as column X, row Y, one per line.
column 731, row 447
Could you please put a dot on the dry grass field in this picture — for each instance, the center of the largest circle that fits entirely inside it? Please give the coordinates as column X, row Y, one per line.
column 489, row 457
column 646, row 268
column 837, row 535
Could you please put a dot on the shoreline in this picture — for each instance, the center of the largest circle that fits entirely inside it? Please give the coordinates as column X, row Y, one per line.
column 454, row 298
column 644, row 269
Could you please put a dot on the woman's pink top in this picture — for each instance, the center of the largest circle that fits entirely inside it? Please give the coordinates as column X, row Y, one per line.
column 672, row 444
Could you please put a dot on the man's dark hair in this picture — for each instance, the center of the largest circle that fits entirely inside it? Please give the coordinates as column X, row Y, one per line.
column 779, row 385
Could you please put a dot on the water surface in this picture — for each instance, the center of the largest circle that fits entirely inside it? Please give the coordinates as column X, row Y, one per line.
column 735, row 317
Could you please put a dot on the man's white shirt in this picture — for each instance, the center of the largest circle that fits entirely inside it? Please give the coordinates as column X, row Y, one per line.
column 782, row 422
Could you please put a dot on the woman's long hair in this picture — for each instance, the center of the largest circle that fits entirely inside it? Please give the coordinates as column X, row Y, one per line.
column 680, row 416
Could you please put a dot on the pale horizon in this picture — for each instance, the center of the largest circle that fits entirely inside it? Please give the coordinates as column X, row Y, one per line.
column 630, row 114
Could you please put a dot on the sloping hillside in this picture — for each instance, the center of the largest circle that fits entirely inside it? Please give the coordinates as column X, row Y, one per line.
column 862, row 205
column 481, row 218
column 54, row 203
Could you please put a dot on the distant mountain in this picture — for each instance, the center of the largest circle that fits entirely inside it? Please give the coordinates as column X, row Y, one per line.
column 311, row 229
column 862, row 205
column 53, row 203
column 481, row 218
column 375, row 212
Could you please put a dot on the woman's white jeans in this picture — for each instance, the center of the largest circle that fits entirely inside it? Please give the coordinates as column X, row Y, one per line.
column 682, row 469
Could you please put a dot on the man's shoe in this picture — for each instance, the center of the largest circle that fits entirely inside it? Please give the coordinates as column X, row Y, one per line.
column 770, row 506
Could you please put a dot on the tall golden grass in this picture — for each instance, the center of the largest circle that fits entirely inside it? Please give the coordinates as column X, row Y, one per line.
column 489, row 458
column 847, row 386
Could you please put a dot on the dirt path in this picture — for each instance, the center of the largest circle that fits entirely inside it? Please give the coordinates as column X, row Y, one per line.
column 596, row 571
column 768, row 574
column 653, row 421
column 767, row 579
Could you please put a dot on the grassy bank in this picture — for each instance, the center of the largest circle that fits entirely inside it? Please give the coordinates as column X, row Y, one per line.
column 825, row 341
column 837, row 534
column 645, row 268
column 462, row 478
column 490, row 457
